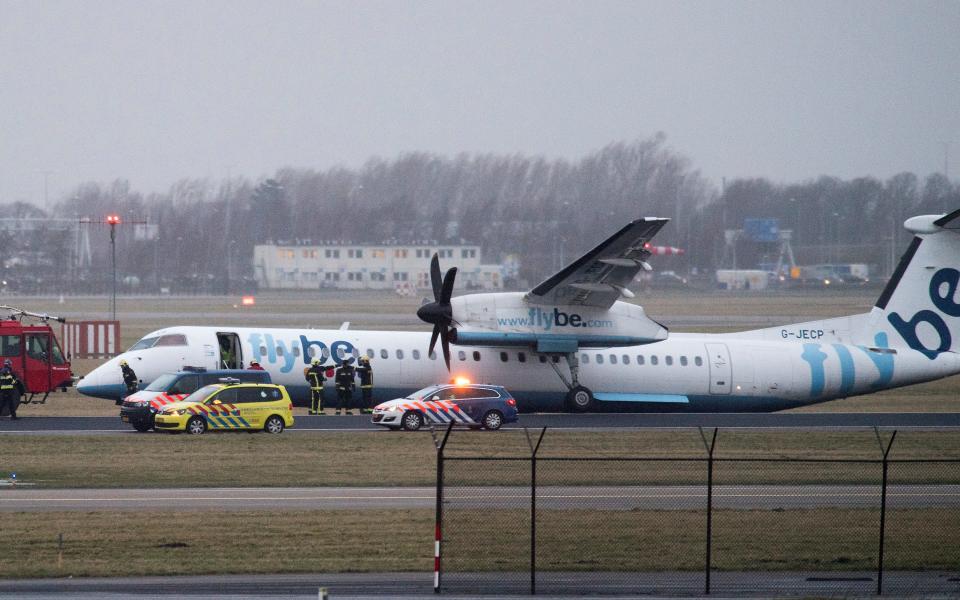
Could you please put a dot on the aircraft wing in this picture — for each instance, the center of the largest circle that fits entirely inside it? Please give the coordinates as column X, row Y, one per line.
column 596, row 278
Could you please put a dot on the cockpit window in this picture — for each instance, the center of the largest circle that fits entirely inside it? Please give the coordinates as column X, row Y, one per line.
column 174, row 339
column 144, row 344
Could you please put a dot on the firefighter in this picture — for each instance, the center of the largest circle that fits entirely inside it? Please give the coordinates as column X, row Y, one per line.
column 129, row 379
column 365, row 373
column 344, row 379
column 9, row 389
column 315, row 377
column 254, row 366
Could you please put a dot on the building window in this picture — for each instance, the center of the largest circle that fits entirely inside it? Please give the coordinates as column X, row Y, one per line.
column 332, row 253
column 400, row 253
column 331, row 276
column 377, row 276
column 400, row 276
column 378, row 253
column 354, row 253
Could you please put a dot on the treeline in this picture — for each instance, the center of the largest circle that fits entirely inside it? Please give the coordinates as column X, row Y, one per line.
column 543, row 212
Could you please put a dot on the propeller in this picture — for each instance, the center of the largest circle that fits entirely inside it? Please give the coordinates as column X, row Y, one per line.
column 439, row 313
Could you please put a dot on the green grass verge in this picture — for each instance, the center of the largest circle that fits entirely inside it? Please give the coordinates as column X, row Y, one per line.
column 402, row 459
column 97, row 544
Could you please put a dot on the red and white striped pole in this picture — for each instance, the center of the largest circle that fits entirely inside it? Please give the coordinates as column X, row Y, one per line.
column 436, row 560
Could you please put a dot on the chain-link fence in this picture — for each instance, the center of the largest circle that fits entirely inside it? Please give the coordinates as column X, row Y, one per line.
column 686, row 512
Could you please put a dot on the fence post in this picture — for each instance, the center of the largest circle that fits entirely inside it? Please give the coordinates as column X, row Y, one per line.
column 533, row 507
column 709, row 447
column 883, row 503
column 438, row 522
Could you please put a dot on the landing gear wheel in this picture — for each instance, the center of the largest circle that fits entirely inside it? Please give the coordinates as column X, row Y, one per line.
column 196, row 425
column 492, row 420
column 580, row 399
column 412, row 420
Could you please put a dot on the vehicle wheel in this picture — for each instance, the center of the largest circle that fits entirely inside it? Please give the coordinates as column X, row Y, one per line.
column 142, row 427
column 196, row 425
column 273, row 424
column 580, row 399
column 412, row 420
column 493, row 420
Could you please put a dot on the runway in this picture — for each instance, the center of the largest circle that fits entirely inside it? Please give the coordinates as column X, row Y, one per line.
column 612, row 498
column 593, row 421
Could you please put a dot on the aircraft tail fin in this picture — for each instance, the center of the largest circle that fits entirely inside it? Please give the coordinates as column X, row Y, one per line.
column 920, row 306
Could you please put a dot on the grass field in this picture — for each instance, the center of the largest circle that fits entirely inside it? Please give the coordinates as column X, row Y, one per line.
column 101, row 544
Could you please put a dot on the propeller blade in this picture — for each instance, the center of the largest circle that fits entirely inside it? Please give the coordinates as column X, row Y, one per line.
column 445, row 343
column 435, row 276
column 433, row 338
column 447, row 289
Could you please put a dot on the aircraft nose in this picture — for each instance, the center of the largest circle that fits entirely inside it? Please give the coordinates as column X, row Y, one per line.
column 99, row 383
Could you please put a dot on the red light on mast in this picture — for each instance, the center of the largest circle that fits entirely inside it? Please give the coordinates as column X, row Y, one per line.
column 113, row 219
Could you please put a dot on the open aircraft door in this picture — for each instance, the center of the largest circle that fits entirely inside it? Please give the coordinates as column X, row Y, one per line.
column 718, row 357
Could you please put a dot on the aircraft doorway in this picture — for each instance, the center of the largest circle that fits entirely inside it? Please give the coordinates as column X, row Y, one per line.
column 718, row 357
column 231, row 352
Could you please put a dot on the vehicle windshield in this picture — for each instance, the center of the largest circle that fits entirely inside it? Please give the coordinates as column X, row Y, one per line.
column 203, row 393
column 162, row 383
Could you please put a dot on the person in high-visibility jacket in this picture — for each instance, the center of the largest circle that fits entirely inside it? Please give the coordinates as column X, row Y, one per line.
column 344, row 380
column 365, row 373
column 9, row 389
column 315, row 377
column 130, row 379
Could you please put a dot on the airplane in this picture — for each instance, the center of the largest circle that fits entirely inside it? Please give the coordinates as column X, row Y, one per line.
column 572, row 343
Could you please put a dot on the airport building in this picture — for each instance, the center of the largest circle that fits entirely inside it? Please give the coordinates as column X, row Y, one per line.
column 404, row 268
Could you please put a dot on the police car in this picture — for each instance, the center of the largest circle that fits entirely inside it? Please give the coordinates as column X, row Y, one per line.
column 140, row 408
column 229, row 406
column 473, row 405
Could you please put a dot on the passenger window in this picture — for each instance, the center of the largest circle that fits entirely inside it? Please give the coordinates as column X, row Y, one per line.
column 626, row 359
column 653, row 359
column 698, row 361
column 296, row 351
column 228, row 396
column 599, row 359
column 462, row 356
column 369, row 352
column 10, row 345
column 585, row 359
column 556, row 358
column 669, row 360
column 37, row 346
column 476, row 356
column 341, row 354
column 480, row 393
column 263, row 350
column 613, row 359
column 384, row 353
column 683, row 361
column 249, row 394
column 416, row 355
column 433, row 355
column 542, row 358
column 503, row 357
column 640, row 360
column 279, row 350
column 521, row 357
column 399, row 354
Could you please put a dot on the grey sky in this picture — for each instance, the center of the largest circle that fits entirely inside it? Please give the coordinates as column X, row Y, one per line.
column 157, row 91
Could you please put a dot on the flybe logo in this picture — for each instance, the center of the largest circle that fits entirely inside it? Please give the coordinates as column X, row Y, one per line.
column 285, row 353
column 547, row 320
column 943, row 288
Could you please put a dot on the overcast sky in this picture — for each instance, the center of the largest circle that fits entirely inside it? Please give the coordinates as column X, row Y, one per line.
column 157, row 91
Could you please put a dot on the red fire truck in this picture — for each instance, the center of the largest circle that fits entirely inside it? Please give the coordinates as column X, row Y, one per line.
column 33, row 350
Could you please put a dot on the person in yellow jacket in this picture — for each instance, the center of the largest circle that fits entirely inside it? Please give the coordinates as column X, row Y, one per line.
column 9, row 389
column 315, row 377
column 365, row 373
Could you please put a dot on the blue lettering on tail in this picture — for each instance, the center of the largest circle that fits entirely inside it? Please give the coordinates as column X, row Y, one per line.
column 815, row 358
column 847, row 372
column 883, row 361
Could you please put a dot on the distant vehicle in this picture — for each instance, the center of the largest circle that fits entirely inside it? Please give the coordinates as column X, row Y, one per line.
column 668, row 279
column 139, row 409
column 473, row 405
column 34, row 353
column 229, row 406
